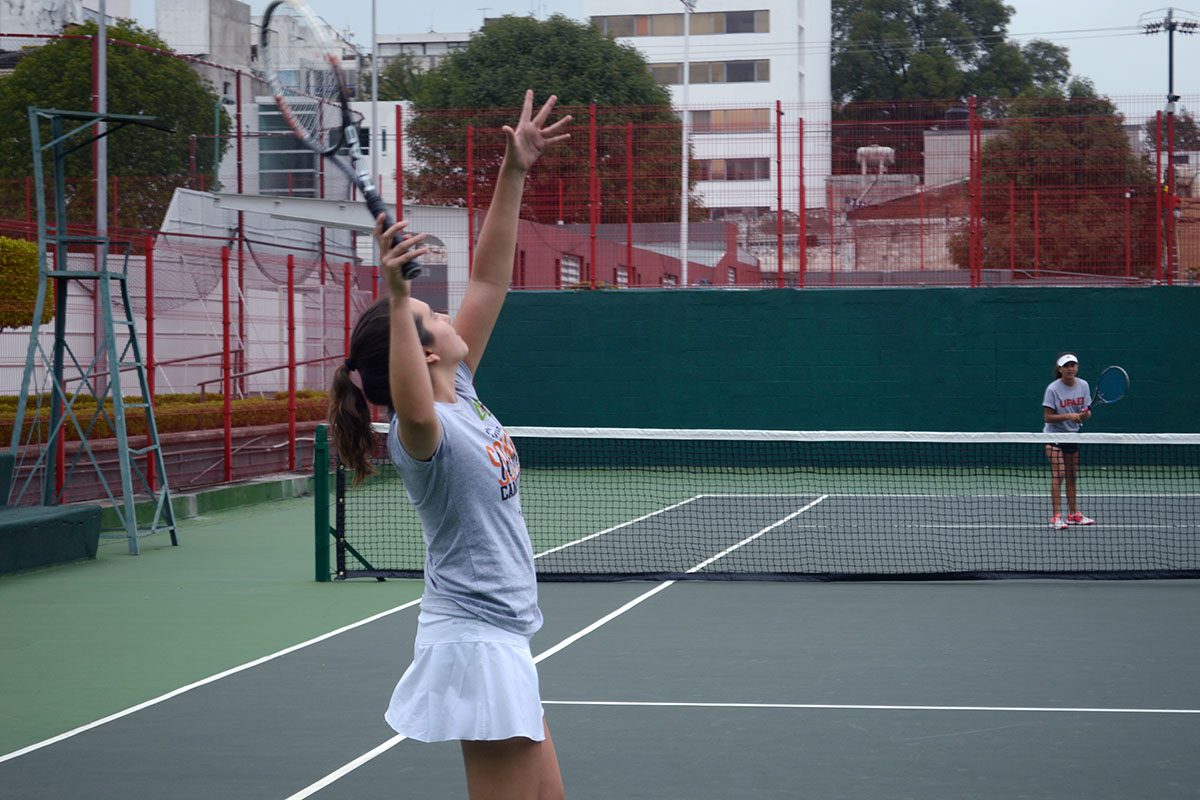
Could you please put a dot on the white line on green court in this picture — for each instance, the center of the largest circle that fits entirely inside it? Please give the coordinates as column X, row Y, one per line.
column 590, row 536
column 863, row 707
column 342, row 771
column 346, row 769
column 203, row 682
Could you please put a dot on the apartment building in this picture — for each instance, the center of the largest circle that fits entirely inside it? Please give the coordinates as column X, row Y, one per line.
column 742, row 57
column 426, row 49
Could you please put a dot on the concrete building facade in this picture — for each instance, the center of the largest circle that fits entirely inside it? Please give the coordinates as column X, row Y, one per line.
column 743, row 57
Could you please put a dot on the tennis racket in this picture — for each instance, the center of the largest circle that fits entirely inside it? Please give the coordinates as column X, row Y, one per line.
column 303, row 67
column 1112, row 385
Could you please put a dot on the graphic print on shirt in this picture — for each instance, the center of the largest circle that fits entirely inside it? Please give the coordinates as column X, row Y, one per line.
column 1069, row 404
column 503, row 454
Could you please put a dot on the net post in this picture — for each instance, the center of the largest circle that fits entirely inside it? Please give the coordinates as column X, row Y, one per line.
column 321, row 492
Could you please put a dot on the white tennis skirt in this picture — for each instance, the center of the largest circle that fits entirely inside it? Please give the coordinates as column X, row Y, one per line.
column 468, row 680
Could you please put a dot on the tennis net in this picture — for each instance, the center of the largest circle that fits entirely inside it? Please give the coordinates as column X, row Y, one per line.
column 605, row 504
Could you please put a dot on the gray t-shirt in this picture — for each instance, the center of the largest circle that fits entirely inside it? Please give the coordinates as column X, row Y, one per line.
column 1063, row 399
column 478, row 557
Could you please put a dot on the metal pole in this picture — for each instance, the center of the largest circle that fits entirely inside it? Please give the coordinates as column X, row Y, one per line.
column 151, row 365
column 779, row 194
column 1171, row 98
column 375, row 140
column 803, row 228
column 1169, row 24
column 291, row 355
column 100, row 82
column 688, row 7
column 628, row 203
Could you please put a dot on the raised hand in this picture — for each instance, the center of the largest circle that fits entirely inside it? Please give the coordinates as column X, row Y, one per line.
column 393, row 257
column 532, row 136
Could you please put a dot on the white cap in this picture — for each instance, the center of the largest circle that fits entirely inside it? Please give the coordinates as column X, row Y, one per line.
column 1067, row 358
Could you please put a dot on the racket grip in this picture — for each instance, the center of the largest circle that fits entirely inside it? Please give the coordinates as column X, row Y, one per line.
column 376, row 206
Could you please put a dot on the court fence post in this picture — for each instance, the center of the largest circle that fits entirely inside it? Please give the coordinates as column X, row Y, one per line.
column 321, row 493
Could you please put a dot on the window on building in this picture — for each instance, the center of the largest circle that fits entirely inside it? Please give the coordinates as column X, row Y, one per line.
column 734, row 169
column 568, row 271
column 713, row 72
column 666, row 74
column 666, row 25
column 616, row 26
column 734, row 211
column 731, row 22
column 732, row 120
column 739, row 22
column 640, row 25
column 740, row 71
column 621, row 276
column 284, row 166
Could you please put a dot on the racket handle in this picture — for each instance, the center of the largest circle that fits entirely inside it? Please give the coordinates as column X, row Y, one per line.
column 376, row 206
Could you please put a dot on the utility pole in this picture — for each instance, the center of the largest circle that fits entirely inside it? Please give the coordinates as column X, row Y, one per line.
column 1171, row 25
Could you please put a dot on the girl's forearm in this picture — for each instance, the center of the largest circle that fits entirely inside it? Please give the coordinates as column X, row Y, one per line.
column 498, row 236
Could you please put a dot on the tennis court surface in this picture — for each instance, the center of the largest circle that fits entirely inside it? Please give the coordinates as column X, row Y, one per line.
column 221, row 669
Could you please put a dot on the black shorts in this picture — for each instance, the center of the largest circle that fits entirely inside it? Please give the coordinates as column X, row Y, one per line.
column 1070, row 447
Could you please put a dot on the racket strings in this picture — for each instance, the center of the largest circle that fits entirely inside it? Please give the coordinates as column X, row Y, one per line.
column 304, row 70
column 1112, row 385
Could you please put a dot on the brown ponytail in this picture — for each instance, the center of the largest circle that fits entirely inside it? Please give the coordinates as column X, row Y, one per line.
column 349, row 412
column 350, row 423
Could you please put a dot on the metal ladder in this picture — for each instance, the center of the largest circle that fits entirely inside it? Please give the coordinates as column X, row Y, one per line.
column 117, row 353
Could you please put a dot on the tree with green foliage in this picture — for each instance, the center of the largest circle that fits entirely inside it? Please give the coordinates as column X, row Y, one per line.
column 59, row 75
column 399, row 80
column 899, row 66
column 1071, row 149
column 935, row 50
column 479, row 86
column 1187, row 133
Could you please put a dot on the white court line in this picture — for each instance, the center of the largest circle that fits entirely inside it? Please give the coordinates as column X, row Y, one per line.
column 943, row 495
column 615, row 527
column 346, row 769
column 182, row 689
column 864, row 707
column 749, row 539
column 1097, row 529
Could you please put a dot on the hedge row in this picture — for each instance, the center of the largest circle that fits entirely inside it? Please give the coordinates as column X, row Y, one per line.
column 19, row 284
column 174, row 417
column 9, row 402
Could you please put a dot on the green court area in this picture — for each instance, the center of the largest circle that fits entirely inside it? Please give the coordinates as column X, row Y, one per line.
column 84, row 640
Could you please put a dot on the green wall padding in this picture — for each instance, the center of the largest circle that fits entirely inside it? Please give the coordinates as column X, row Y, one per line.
column 837, row 359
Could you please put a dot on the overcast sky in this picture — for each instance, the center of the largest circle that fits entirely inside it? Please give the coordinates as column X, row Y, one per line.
column 1104, row 36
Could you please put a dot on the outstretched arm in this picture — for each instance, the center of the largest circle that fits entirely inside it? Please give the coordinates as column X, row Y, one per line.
column 408, row 369
column 491, row 271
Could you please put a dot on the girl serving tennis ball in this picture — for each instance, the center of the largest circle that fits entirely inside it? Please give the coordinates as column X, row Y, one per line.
column 472, row 677
column 1065, row 405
